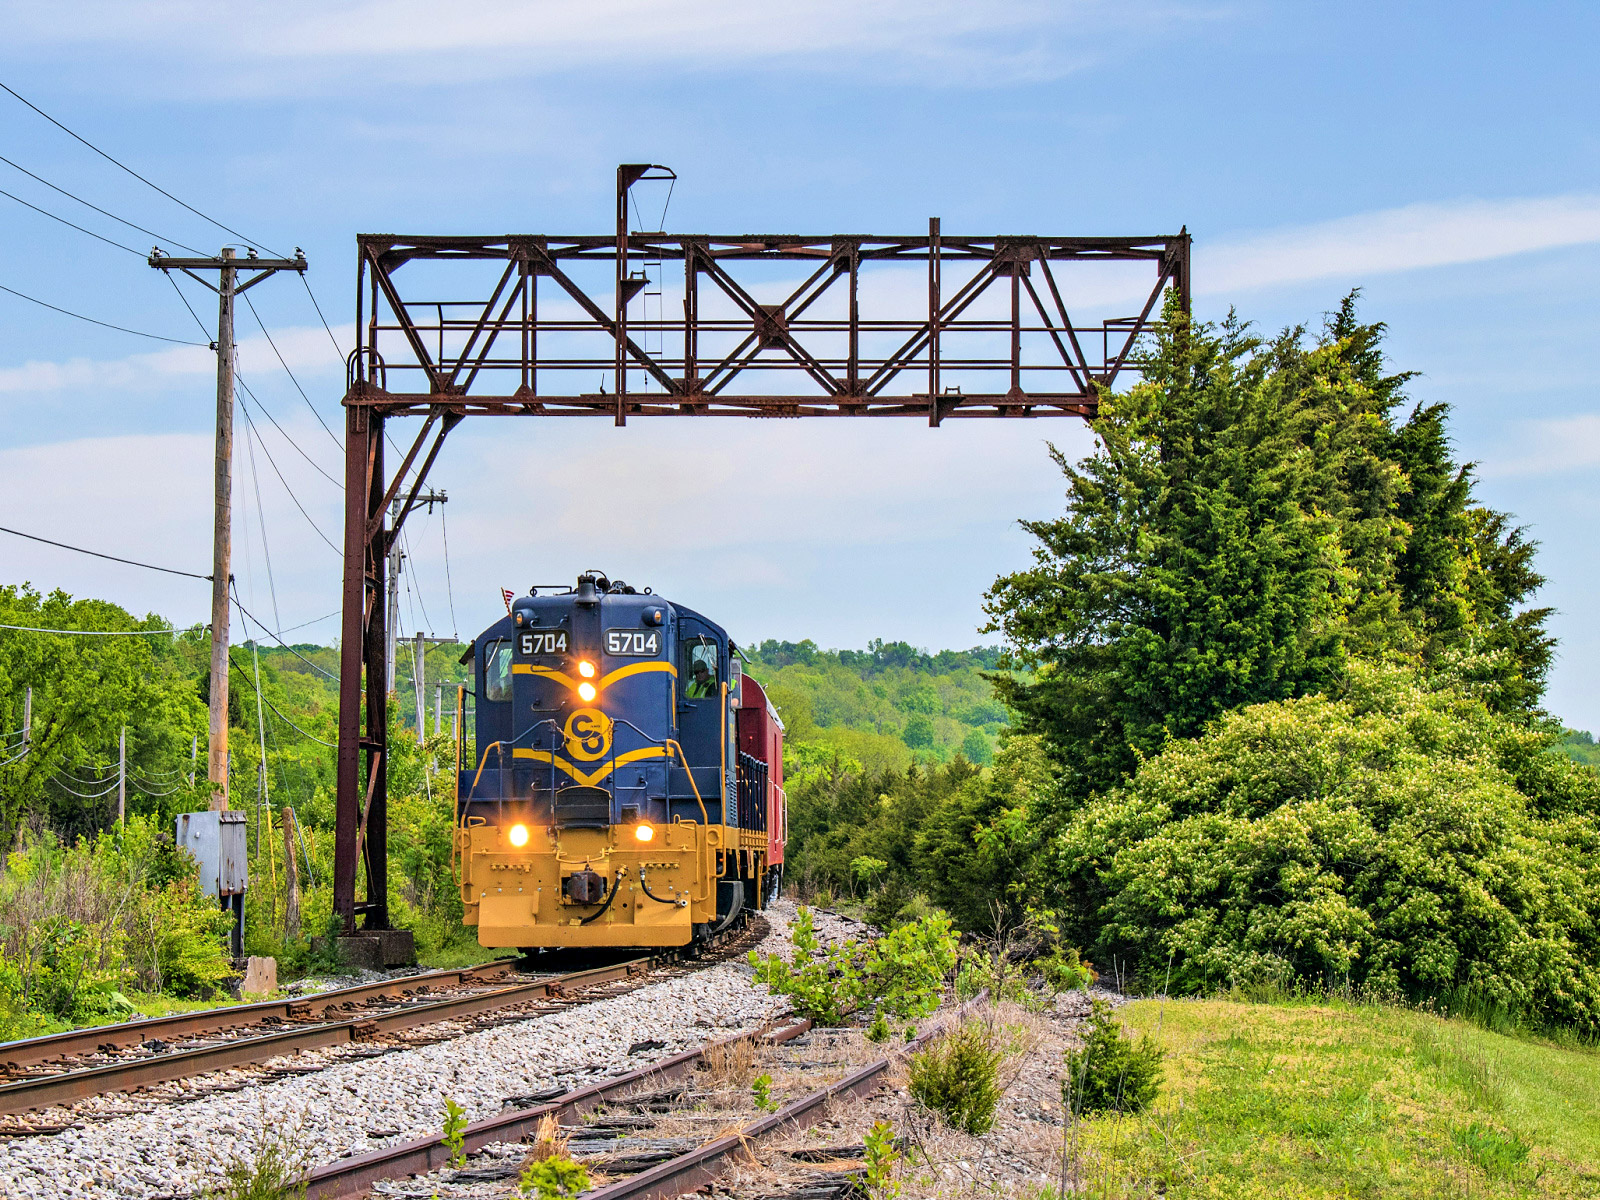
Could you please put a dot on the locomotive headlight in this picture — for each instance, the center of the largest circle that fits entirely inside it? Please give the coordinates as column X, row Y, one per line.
column 644, row 833
column 586, row 692
column 586, row 669
column 518, row 836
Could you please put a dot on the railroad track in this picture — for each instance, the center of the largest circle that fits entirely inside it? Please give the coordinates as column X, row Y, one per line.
column 652, row 1168
column 52, row 1074
column 77, row 1044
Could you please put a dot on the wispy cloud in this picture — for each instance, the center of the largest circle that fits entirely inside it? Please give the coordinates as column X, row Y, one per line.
column 306, row 350
column 1394, row 240
column 1549, row 447
column 963, row 41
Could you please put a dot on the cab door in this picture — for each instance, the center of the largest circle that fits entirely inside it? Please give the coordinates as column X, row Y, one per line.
column 495, row 717
column 702, row 671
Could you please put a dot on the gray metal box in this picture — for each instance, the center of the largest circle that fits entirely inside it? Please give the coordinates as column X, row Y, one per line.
column 216, row 839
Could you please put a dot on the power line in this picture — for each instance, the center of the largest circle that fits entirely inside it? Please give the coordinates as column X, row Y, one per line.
column 337, row 349
column 251, row 437
column 406, row 538
column 288, row 372
column 281, row 716
column 190, row 307
column 131, row 171
column 103, row 324
column 131, row 562
column 450, row 590
column 246, row 411
column 286, row 437
column 97, row 208
column 145, row 790
column 47, row 213
column 83, row 795
column 275, row 637
column 313, row 621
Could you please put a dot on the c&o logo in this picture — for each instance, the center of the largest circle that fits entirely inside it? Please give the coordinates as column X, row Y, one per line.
column 588, row 734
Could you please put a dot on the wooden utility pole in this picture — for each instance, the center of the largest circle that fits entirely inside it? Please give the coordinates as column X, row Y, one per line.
column 122, row 777
column 222, row 536
column 227, row 287
column 291, row 877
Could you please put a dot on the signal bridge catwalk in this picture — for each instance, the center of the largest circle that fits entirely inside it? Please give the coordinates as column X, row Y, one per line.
column 635, row 324
column 831, row 332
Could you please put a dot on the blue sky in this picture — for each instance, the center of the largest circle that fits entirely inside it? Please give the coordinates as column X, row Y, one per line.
column 1442, row 158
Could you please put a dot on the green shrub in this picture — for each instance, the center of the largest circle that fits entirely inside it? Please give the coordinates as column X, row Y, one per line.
column 1400, row 841
column 553, row 1178
column 274, row 1168
column 881, row 1158
column 900, row 974
column 1110, row 1073
column 180, row 948
column 761, row 1093
column 958, row 1077
column 17, row 1020
column 1063, row 970
column 455, row 1132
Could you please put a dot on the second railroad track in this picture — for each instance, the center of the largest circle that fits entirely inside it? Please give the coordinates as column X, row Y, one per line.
column 62, row 1069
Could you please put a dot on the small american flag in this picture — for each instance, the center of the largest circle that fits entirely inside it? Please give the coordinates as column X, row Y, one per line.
column 506, row 594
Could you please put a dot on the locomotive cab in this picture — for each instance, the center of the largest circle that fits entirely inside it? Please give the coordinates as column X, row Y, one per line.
column 609, row 797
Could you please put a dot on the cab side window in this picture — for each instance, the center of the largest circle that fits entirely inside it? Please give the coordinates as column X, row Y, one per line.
column 497, row 671
column 700, row 670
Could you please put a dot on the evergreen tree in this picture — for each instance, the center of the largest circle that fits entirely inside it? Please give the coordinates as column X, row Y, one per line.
column 1251, row 517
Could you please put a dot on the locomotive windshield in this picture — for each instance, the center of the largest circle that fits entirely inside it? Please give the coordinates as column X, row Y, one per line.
column 497, row 671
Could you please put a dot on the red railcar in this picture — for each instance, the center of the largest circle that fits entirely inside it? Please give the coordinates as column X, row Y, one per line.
column 761, row 754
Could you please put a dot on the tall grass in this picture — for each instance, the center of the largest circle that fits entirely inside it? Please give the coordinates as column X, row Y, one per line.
column 81, row 921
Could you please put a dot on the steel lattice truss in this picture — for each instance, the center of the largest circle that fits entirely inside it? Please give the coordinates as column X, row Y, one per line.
column 781, row 326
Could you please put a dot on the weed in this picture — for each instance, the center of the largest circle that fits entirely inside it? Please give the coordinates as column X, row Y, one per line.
column 901, row 974
column 958, row 1077
column 762, row 1090
column 271, row 1169
column 881, row 1156
column 455, row 1132
column 553, row 1178
column 1111, row 1073
column 878, row 1031
column 730, row 1064
column 1497, row 1153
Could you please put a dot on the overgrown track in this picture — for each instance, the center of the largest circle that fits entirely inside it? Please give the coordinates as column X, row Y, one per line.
column 534, row 998
column 678, row 1174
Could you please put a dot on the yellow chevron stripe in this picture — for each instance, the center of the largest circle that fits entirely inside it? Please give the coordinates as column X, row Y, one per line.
column 605, row 681
column 592, row 779
column 638, row 668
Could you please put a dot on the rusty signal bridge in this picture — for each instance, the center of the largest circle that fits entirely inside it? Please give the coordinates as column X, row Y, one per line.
column 935, row 326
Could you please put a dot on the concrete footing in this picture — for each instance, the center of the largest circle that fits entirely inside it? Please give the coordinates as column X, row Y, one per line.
column 376, row 949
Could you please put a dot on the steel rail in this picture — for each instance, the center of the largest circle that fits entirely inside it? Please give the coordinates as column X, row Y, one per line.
column 68, row 1086
column 353, row 1176
column 35, row 1051
column 703, row 1164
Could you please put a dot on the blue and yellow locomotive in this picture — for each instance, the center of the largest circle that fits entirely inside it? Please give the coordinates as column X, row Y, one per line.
column 624, row 783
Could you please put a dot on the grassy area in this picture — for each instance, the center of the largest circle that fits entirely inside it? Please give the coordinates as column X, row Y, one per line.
column 1294, row 1101
column 458, row 954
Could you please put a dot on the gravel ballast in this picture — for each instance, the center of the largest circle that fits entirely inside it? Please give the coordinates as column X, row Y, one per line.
column 354, row 1107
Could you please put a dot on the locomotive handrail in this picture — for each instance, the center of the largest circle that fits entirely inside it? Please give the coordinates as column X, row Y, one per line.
column 704, row 816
